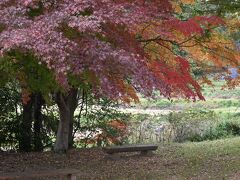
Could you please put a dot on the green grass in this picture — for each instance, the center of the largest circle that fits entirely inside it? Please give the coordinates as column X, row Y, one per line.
column 216, row 91
column 208, row 159
column 227, row 100
column 212, row 103
column 205, row 160
column 209, row 149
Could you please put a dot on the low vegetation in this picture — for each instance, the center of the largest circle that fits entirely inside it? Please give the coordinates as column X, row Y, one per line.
column 216, row 118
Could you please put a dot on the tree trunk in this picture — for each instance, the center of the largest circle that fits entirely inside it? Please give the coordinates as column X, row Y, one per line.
column 73, row 102
column 25, row 138
column 38, row 102
column 67, row 104
column 70, row 134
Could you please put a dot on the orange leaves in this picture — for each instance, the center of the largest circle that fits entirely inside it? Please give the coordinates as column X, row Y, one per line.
column 128, row 92
column 104, row 136
column 120, row 127
column 176, row 7
column 26, row 96
column 117, row 124
column 205, row 80
column 232, row 83
column 201, row 39
column 161, row 50
column 216, row 50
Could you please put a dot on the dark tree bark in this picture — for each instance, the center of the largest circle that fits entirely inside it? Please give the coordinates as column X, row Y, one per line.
column 37, row 141
column 67, row 104
column 70, row 134
column 25, row 136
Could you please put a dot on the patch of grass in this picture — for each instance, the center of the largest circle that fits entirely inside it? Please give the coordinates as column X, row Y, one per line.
column 209, row 149
column 211, row 103
column 208, row 159
column 215, row 96
column 216, row 91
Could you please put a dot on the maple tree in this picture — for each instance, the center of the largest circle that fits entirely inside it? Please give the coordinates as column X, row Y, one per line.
column 117, row 48
column 222, row 43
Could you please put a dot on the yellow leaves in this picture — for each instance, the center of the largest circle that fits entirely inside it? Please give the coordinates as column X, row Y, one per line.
column 222, row 49
column 161, row 50
column 157, row 48
column 188, row 1
column 216, row 50
column 177, row 4
column 223, row 56
column 233, row 24
column 176, row 7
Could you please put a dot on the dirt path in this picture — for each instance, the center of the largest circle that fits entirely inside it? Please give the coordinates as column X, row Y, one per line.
column 147, row 111
column 167, row 111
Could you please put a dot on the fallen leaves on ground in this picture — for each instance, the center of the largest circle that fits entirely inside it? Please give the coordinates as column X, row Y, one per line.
column 169, row 162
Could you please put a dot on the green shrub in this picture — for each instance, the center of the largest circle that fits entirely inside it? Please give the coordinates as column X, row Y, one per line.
column 192, row 124
column 222, row 130
column 232, row 127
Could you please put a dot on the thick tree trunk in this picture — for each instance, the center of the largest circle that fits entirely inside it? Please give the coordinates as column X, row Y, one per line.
column 26, row 127
column 67, row 104
column 38, row 102
column 61, row 145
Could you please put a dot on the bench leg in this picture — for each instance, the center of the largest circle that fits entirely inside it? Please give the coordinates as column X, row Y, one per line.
column 112, row 157
column 143, row 153
column 73, row 177
column 69, row 177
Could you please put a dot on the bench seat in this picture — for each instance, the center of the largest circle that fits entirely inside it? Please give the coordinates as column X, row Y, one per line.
column 70, row 174
column 130, row 148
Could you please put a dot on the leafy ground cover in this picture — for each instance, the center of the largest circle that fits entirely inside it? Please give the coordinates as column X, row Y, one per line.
column 205, row 160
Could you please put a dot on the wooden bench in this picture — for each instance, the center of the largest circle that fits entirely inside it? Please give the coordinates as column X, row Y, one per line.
column 69, row 174
column 131, row 148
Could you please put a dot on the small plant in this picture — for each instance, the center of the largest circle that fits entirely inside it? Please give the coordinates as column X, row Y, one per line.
column 221, row 130
column 191, row 123
column 99, row 123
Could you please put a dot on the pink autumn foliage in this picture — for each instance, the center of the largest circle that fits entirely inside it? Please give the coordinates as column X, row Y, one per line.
column 115, row 54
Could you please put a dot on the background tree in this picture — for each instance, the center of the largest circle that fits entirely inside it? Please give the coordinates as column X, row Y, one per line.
column 23, row 73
